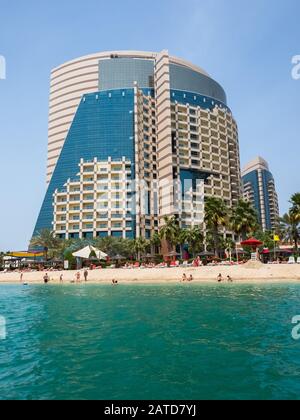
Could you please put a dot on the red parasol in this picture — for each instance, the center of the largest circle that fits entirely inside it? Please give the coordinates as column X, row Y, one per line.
column 252, row 242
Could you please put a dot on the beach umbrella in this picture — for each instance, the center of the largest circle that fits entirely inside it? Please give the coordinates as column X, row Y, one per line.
column 86, row 252
column 252, row 242
column 147, row 257
column 173, row 254
column 206, row 254
column 118, row 257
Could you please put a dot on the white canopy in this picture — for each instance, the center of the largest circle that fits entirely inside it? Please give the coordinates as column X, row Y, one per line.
column 86, row 252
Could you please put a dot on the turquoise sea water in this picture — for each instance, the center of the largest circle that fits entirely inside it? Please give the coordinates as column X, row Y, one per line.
column 150, row 342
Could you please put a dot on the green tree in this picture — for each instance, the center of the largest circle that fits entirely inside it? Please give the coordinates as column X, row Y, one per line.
column 290, row 228
column 155, row 242
column 244, row 219
column 113, row 246
column 216, row 216
column 46, row 239
column 169, row 231
column 140, row 246
column 228, row 245
column 182, row 239
column 295, row 201
column 195, row 239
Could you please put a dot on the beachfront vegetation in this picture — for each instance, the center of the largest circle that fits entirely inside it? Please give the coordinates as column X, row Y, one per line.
column 242, row 221
column 290, row 223
column 216, row 218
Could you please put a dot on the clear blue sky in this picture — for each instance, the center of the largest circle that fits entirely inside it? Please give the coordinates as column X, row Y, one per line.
column 246, row 46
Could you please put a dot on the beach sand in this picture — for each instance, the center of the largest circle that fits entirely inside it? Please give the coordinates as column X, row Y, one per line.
column 261, row 274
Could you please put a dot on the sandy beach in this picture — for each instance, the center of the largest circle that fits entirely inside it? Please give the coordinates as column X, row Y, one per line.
column 265, row 273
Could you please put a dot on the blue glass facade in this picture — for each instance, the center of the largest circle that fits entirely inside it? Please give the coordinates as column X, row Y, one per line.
column 195, row 99
column 190, row 178
column 119, row 73
column 103, row 127
column 253, row 179
column 183, row 78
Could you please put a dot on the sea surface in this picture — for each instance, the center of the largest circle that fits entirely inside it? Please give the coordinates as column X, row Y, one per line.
column 150, row 342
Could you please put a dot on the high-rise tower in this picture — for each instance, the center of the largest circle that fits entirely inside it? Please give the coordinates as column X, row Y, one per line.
column 259, row 188
column 125, row 128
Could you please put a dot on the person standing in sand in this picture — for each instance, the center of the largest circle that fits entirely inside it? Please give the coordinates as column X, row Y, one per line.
column 21, row 277
column 86, row 274
column 78, row 277
column 61, row 278
column 46, row 278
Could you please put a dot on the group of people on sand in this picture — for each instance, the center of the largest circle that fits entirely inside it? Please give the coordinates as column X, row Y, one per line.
column 221, row 279
column 185, row 278
column 46, row 278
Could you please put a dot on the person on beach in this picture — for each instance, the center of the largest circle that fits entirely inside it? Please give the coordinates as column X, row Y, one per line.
column 61, row 278
column 191, row 278
column 86, row 274
column 21, row 277
column 220, row 278
column 229, row 279
column 46, row 278
column 78, row 277
column 114, row 282
column 184, row 278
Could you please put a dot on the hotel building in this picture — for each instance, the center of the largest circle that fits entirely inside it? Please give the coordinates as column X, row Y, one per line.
column 134, row 137
column 259, row 188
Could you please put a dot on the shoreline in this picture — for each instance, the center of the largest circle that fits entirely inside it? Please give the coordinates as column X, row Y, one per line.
column 239, row 274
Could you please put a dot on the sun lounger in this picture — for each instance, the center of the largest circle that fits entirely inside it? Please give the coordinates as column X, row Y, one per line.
column 292, row 260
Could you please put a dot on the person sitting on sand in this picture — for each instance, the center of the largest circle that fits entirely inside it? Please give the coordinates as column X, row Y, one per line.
column 114, row 282
column 229, row 279
column 184, row 278
column 220, row 278
column 191, row 278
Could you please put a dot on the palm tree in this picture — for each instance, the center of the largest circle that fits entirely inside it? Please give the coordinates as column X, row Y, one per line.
column 290, row 228
column 46, row 239
column 155, row 242
column 295, row 201
column 195, row 239
column 140, row 245
column 169, row 232
column 216, row 216
column 244, row 219
column 182, row 239
column 228, row 245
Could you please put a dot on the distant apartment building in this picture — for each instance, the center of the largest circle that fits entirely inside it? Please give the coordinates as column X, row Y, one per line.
column 259, row 188
column 123, row 128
